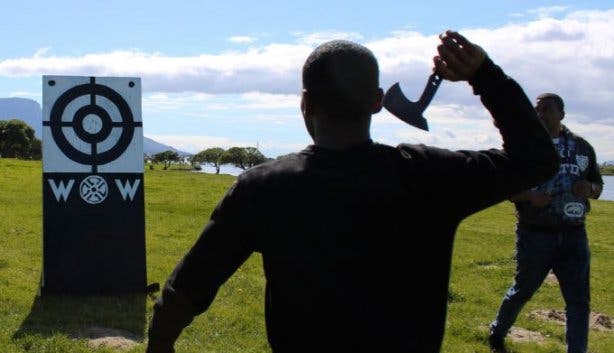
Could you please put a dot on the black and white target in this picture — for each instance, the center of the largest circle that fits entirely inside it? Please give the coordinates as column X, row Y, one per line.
column 93, row 190
column 93, row 124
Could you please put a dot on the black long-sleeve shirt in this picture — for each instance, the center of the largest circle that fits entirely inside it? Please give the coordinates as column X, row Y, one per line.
column 357, row 244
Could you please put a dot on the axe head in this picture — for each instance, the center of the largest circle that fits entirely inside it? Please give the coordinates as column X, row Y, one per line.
column 411, row 112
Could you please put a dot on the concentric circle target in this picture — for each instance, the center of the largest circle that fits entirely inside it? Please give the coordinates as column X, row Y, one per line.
column 92, row 124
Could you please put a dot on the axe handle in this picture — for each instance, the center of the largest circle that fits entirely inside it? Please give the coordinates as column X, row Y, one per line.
column 429, row 91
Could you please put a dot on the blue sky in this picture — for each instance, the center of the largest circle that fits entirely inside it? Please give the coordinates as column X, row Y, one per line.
column 227, row 73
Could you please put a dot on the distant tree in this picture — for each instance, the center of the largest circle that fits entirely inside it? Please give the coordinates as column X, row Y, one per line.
column 185, row 159
column 16, row 138
column 607, row 169
column 148, row 159
column 235, row 156
column 36, row 152
column 212, row 156
column 166, row 157
column 253, row 157
column 243, row 157
column 196, row 165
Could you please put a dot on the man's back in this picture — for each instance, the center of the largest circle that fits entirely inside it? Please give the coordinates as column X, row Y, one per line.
column 340, row 233
column 357, row 243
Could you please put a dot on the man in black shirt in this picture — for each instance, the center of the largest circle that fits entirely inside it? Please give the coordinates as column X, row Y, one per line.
column 356, row 237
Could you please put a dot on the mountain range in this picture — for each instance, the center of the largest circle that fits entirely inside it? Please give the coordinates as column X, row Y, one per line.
column 24, row 109
column 151, row 147
column 30, row 111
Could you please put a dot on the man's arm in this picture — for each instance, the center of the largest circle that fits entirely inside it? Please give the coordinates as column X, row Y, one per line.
column 219, row 251
column 536, row 198
column 592, row 187
column 473, row 180
column 587, row 189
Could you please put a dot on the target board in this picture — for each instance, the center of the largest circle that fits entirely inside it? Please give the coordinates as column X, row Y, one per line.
column 93, row 205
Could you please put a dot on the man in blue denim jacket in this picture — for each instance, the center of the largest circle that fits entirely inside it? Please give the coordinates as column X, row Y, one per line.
column 551, row 234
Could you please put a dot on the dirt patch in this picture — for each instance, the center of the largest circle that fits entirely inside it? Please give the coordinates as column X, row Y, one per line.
column 521, row 335
column 551, row 279
column 551, row 315
column 601, row 322
column 518, row 334
column 597, row 321
column 108, row 337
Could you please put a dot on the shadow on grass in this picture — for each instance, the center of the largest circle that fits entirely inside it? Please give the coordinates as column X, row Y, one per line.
column 71, row 316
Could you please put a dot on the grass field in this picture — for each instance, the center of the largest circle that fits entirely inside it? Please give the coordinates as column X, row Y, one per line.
column 178, row 203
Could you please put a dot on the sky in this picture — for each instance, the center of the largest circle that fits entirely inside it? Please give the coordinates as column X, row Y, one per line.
column 227, row 73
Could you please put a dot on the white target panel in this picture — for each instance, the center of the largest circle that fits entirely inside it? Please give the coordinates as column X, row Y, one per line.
column 92, row 125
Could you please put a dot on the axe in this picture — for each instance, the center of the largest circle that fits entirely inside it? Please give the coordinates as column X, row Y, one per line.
column 408, row 111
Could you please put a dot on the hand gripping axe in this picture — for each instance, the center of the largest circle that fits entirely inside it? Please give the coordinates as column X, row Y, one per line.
column 408, row 111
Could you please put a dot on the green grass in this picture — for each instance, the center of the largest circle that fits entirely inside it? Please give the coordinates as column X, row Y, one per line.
column 607, row 170
column 483, row 268
column 178, row 204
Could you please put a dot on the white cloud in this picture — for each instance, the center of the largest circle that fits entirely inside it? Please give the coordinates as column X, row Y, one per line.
column 259, row 100
column 569, row 55
column 273, row 68
column 545, row 53
column 317, row 38
column 162, row 101
column 242, row 39
column 41, row 52
column 599, row 135
column 555, row 30
column 473, row 135
column 271, row 148
column 549, row 11
column 451, row 126
column 196, row 143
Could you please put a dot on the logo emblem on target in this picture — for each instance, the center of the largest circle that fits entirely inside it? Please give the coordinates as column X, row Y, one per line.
column 90, row 124
column 93, row 189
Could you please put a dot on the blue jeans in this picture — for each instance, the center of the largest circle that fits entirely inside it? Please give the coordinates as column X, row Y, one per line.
column 568, row 255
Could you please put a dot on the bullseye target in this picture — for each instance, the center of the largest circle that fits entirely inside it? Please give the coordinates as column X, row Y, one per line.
column 92, row 122
column 93, row 187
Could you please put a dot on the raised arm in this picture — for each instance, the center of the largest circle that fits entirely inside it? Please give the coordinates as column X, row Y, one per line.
column 473, row 180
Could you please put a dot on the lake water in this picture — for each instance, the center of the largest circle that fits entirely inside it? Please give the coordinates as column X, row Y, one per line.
column 607, row 194
column 225, row 169
column 608, row 188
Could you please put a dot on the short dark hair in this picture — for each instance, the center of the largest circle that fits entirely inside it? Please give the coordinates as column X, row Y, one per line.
column 342, row 77
column 555, row 97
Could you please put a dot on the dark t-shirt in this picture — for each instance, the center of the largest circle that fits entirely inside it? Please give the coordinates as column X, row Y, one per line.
column 357, row 244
